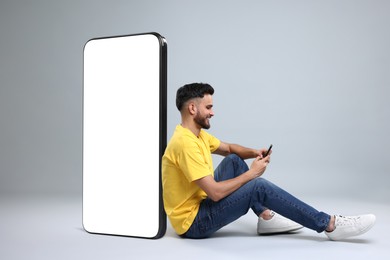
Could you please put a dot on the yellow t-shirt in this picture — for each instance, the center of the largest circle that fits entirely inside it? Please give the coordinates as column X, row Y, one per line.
column 187, row 158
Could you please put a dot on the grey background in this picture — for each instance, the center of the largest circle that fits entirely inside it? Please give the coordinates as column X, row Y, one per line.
column 311, row 77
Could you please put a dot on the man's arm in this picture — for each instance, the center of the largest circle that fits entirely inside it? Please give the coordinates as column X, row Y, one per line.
column 225, row 149
column 219, row 190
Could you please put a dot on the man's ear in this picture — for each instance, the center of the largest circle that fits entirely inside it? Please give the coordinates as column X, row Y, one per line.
column 192, row 109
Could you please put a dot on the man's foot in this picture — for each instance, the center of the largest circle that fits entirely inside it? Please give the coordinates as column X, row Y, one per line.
column 276, row 224
column 351, row 226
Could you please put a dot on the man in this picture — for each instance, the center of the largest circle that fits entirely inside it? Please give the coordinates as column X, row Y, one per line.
column 199, row 201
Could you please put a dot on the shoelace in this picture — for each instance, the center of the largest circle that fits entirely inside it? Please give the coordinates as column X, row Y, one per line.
column 346, row 221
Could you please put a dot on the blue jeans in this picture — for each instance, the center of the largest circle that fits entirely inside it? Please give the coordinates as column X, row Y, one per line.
column 258, row 195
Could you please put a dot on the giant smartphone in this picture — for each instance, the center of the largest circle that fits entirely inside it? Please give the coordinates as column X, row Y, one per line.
column 124, row 135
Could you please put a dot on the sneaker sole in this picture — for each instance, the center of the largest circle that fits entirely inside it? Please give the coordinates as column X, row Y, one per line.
column 278, row 231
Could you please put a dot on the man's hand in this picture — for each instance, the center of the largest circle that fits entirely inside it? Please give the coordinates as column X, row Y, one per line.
column 261, row 153
column 259, row 165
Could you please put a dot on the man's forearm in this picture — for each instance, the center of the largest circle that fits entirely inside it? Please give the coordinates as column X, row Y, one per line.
column 243, row 152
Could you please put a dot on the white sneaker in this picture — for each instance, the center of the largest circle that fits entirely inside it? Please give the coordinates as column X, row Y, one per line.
column 277, row 224
column 351, row 226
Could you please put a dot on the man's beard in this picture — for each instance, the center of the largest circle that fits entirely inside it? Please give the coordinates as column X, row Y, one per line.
column 202, row 121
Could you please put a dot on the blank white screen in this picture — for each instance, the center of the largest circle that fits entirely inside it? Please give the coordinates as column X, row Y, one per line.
column 121, row 136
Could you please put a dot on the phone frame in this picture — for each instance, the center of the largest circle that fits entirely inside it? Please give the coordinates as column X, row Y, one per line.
column 269, row 150
column 162, row 130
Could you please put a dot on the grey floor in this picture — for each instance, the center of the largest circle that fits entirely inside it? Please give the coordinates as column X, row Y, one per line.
column 50, row 228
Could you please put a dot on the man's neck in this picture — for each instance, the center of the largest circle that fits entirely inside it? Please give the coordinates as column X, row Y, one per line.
column 193, row 128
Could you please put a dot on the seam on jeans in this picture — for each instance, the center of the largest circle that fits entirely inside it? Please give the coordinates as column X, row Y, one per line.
column 304, row 212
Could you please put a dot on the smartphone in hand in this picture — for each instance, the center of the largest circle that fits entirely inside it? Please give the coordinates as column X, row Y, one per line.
column 268, row 151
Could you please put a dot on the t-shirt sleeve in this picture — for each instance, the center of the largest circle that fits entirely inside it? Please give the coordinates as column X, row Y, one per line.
column 214, row 143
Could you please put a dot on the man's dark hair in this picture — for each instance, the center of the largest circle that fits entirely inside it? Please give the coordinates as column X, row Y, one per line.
column 190, row 91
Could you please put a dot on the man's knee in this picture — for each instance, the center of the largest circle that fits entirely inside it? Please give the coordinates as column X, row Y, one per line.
column 235, row 158
column 237, row 161
column 263, row 184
